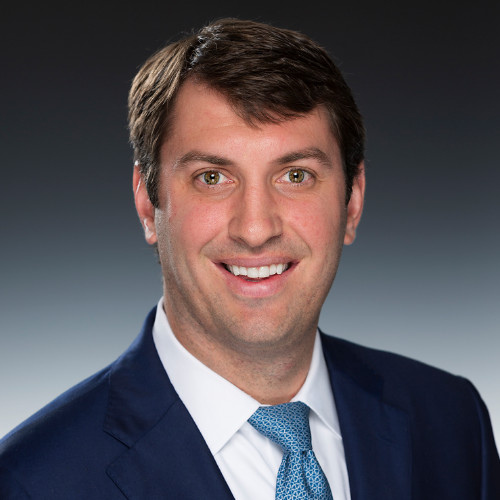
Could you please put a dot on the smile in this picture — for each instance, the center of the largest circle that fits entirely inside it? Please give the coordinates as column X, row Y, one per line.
column 257, row 272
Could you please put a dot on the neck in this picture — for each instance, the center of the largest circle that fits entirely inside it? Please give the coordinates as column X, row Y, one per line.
column 273, row 380
column 272, row 373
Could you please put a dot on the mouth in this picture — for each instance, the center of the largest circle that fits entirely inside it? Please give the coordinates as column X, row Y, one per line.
column 258, row 273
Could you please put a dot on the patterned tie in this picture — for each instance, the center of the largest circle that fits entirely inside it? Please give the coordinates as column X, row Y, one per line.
column 300, row 476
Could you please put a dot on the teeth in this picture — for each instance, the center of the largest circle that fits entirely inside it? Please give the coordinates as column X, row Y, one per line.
column 253, row 272
column 264, row 272
column 258, row 272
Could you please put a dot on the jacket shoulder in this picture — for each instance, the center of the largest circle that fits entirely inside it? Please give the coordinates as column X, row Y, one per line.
column 425, row 392
column 445, row 419
column 59, row 437
column 351, row 357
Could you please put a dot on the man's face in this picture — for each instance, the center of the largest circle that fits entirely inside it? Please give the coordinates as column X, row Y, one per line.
column 251, row 223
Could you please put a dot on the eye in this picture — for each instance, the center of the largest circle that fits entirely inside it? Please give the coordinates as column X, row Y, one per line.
column 296, row 176
column 212, row 177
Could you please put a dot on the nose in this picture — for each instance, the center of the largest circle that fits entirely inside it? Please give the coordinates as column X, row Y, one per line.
column 255, row 216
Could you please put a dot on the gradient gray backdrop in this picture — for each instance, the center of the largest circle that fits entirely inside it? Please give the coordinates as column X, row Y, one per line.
column 77, row 278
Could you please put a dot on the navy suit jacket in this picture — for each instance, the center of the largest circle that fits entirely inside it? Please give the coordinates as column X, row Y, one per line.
column 410, row 432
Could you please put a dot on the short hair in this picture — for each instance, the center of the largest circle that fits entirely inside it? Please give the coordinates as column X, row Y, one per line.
column 267, row 74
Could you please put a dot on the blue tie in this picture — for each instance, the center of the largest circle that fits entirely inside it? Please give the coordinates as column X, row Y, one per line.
column 300, row 476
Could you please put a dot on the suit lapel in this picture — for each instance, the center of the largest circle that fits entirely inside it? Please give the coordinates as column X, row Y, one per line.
column 171, row 460
column 375, row 434
column 166, row 455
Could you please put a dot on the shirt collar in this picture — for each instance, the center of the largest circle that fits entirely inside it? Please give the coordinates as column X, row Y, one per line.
column 218, row 407
column 316, row 392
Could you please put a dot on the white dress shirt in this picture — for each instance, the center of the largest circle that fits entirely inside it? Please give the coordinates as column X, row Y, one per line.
column 248, row 460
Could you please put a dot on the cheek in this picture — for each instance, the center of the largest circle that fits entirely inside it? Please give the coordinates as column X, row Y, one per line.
column 319, row 222
column 193, row 222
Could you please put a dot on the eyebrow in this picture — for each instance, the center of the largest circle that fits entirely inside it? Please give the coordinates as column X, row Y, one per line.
column 197, row 156
column 293, row 156
column 305, row 154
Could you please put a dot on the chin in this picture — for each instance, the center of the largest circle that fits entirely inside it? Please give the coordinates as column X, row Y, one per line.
column 261, row 333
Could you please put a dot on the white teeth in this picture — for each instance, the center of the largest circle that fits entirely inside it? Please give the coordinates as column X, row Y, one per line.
column 258, row 272
column 253, row 272
column 264, row 272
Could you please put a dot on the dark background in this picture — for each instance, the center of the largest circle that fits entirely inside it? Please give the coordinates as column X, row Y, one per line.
column 77, row 278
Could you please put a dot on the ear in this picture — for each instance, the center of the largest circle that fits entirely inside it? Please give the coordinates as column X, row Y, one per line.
column 355, row 205
column 143, row 205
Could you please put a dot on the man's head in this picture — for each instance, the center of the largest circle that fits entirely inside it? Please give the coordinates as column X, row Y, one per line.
column 268, row 74
column 244, row 137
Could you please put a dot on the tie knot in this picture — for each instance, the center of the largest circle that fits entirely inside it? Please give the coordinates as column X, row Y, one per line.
column 287, row 425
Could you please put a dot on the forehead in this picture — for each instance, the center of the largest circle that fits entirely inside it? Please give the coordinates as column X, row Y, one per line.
column 203, row 117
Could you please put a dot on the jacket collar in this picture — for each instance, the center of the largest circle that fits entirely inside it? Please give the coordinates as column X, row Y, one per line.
column 375, row 434
column 166, row 453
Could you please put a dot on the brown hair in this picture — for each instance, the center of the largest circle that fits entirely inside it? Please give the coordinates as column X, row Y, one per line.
column 268, row 74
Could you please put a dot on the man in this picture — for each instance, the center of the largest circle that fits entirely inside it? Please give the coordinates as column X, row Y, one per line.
column 249, row 179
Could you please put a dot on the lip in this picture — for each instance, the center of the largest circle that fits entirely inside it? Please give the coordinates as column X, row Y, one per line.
column 262, row 288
